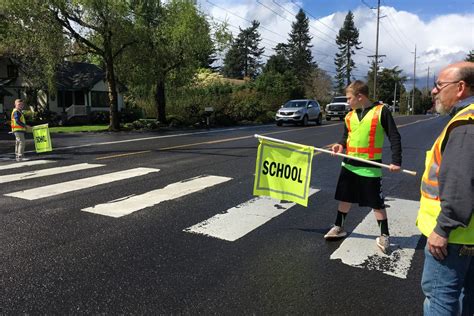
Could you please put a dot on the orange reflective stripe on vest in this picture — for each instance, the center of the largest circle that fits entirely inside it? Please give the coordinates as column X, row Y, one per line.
column 14, row 126
column 374, row 132
column 430, row 204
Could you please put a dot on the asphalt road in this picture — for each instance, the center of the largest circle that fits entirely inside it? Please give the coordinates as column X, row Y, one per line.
column 58, row 259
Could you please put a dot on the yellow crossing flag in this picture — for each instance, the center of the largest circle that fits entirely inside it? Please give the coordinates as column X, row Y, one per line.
column 283, row 171
column 42, row 138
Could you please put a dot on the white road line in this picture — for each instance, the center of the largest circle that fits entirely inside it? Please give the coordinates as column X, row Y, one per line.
column 359, row 249
column 135, row 203
column 46, row 172
column 24, row 164
column 74, row 185
column 240, row 220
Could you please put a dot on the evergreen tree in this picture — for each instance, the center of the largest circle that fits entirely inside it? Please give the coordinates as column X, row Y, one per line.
column 389, row 77
column 470, row 56
column 299, row 53
column 243, row 57
column 278, row 62
column 348, row 41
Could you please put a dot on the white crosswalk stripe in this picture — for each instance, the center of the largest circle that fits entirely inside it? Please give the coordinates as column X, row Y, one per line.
column 240, row 220
column 74, row 185
column 46, row 172
column 24, row 164
column 359, row 249
column 135, row 203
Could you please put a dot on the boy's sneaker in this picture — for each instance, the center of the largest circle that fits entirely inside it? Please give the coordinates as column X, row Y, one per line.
column 335, row 232
column 383, row 242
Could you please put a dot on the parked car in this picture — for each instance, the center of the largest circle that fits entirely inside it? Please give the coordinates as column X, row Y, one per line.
column 337, row 108
column 299, row 111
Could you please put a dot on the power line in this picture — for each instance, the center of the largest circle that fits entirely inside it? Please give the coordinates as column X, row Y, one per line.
column 277, row 13
column 294, row 14
column 230, row 12
column 396, row 26
column 401, row 40
column 317, row 20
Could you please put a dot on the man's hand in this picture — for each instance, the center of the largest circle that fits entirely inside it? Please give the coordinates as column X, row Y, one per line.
column 437, row 246
column 394, row 168
column 337, row 149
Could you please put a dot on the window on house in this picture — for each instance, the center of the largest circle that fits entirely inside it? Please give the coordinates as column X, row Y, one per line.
column 99, row 99
column 12, row 71
column 79, row 98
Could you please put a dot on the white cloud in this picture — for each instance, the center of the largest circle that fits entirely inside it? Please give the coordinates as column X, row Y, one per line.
column 439, row 41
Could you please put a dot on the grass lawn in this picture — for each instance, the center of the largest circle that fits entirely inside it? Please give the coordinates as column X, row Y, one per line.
column 74, row 129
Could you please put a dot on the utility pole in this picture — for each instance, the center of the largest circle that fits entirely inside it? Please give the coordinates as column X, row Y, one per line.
column 408, row 104
column 414, row 86
column 394, row 98
column 428, row 80
column 376, row 49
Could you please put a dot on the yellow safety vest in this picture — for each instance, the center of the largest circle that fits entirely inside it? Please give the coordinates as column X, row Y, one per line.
column 15, row 127
column 365, row 140
column 430, row 204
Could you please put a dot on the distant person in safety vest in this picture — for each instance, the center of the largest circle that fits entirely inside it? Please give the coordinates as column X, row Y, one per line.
column 359, row 182
column 447, row 198
column 19, row 127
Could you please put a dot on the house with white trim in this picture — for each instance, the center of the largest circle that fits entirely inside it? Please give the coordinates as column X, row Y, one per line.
column 81, row 89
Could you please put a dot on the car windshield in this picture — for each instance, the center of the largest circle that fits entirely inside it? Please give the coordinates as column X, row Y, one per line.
column 295, row 104
column 339, row 100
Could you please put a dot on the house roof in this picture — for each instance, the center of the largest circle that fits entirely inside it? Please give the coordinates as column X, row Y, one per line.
column 3, row 83
column 78, row 76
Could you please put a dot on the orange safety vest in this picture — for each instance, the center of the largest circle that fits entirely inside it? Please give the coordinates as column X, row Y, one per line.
column 15, row 127
column 430, row 204
column 365, row 140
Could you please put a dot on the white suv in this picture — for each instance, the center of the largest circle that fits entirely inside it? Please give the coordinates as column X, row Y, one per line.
column 299, row 111
column 337, row 108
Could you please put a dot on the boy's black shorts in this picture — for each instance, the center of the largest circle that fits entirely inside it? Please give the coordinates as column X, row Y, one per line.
column 366, row 191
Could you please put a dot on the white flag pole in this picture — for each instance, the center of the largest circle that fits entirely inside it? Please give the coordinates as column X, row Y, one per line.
column 413, row 173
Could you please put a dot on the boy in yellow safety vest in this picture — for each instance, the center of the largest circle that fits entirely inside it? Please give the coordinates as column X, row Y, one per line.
column 359, row 182
column 19, row 127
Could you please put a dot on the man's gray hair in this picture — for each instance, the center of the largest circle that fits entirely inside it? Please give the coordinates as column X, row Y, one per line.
column 466, row 74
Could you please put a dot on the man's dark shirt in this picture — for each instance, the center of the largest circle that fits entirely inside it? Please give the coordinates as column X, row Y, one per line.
column 456, row 176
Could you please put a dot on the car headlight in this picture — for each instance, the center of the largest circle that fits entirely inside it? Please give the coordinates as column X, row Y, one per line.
column 298, row 112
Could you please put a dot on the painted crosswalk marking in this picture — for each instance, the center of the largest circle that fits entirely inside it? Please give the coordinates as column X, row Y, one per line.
column 135, row 203
column 359, row 249
column 74, row 185
column 24, row 164
column 46, row 172
column 240, row 220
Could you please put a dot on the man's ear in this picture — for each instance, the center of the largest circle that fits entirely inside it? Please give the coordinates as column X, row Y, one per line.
column 463, row 90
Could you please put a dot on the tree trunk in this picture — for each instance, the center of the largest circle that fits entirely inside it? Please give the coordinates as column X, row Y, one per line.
column 160, row 101
column 114, row 124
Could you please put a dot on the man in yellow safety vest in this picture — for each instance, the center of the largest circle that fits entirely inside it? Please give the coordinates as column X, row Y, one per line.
column 359, row 182
column 447, row 198
column 18, row 125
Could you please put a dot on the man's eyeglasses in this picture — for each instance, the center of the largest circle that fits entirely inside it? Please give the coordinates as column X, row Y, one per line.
column 439, row 85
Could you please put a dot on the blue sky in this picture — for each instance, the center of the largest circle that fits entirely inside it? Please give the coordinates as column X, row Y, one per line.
column 425, row 9
column 442, row 30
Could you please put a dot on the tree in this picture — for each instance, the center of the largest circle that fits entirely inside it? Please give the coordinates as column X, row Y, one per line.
column 101, row 28
column 388, row 78
column 320, row 86
column 298, row 48
column 173, row 42
column 278, row 62
column 470, row 56
column 243, row 58
column 347, row 40
column 31, row 39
